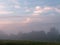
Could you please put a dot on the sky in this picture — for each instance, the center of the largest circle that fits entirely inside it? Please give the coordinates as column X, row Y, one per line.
column 27, row 15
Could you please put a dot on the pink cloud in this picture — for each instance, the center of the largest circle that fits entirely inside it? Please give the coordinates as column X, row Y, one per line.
column 6, row 12
column 2, row 6
column 48, row 8
column 37, row 10
column 27, row 20
column 5, row 22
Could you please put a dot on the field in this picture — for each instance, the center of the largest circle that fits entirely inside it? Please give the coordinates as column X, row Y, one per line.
column 15, row 42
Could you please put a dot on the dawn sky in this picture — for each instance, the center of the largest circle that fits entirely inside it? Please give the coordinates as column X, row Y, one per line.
column 19, row 15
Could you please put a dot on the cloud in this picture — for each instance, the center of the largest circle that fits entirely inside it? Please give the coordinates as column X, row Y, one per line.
column 57, row 10
column 37, row 10
column 6, row 12
column 14, row 1
column 48, row 8
column 2, row 6
column 37, row 14
column 2, row 22
column 28, row 10
column 27, row 20
column 17, row 6
column 52, row 8
column 10, row 26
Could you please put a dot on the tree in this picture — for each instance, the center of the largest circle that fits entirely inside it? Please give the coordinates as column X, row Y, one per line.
column 53, row 34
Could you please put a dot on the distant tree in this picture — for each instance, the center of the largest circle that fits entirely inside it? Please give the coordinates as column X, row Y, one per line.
column 35, row 35
column 3, row 35
column 12, row 37
column 53, row 34
column 42, row 36
column 58, row 39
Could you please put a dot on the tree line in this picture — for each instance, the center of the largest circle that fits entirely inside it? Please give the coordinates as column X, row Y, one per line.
column 52, row 35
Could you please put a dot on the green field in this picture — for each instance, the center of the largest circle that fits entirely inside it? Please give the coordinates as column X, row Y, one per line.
column 15, row 42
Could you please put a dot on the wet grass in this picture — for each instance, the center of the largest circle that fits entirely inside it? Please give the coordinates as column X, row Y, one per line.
column 16, row 42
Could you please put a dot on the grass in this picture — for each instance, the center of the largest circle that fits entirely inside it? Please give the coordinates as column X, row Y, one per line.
column 16, row 42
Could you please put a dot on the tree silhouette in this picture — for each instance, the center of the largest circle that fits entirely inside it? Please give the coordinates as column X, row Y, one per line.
column 53, row 34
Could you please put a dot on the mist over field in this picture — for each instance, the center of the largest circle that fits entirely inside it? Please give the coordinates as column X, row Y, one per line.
column 30, row 20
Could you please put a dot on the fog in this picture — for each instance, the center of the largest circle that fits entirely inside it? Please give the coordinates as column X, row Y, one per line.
column 52, row 35
column 30, row 20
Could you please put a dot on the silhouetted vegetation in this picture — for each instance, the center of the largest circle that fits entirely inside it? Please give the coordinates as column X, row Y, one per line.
column 15, row 42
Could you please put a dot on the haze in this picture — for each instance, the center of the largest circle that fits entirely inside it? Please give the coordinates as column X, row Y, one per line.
column 29, row 15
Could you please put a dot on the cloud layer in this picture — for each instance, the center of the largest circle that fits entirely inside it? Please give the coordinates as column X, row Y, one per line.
column 24, row 15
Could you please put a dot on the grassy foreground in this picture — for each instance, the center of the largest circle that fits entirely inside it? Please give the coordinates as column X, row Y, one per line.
column 14, row 42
